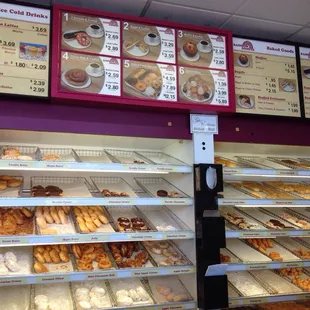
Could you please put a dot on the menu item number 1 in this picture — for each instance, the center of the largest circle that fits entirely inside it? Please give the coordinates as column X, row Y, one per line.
column 305, row 73
column 266, row 79
column 24, row 50
column 90, row 34
column 146, row 42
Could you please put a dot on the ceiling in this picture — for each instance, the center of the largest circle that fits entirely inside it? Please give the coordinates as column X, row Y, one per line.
column 281, row 20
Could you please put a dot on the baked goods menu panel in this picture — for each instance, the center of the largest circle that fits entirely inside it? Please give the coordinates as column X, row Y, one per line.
column 305, row 74
column 131, row 61
column 24, row 50
column 266, row 80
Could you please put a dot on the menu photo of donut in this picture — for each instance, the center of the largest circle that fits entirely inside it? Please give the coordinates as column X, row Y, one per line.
column 146, row 42
column 90, row 74
column 32, row 51
column 147, row 80
column 90, row 34
column 201, row 49
column 203, row 86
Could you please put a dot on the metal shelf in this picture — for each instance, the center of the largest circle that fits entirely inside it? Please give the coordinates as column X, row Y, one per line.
column 91, row 167
column 243, row 172
column 94, row 275
column 92, row 238
column 268, row 233
column 92, row 201
column 263, row 202
column 268, row 265
column 254, row 300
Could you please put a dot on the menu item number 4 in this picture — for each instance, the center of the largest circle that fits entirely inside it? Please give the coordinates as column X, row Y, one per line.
column 90, row 74
column 142, row 41
column 201, row 49
column 148, row 80
column 90, row 34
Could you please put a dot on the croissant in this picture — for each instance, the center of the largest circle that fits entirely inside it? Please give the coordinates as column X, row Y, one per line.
column 142, row 256
column 124, row 249
column 130, row 250
column 9, row 224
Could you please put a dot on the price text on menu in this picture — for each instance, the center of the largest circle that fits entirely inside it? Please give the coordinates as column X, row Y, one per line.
column 24, row 50
column 106, row 56
column 305, row 73
column 266, row 80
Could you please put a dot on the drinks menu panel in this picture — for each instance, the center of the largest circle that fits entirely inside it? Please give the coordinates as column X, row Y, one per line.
column 126, row 60
column 266, row 79
column 24, row 50
column 305, row 75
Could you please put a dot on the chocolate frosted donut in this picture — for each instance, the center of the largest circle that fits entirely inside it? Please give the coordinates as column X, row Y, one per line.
column 162, row 193
column 76, row 77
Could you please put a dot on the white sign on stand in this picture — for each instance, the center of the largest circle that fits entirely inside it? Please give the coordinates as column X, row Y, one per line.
column 204, row 123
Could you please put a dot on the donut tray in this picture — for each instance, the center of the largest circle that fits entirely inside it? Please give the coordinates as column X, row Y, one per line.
column 71, row 186
column 160, row 158
column 279, row 284
column 231, row 191
column 150, row 263
column 16, row 297
column 104, row 228
column 163, row 219
column 58, row 229
column 259, row 162
column 89, row 285
column 59, row 293
column 128, row 212
column 13, row 191
column 232, row 163
column 113, row 184
column 293, row 245
column 233, row 258
column 126, row 284
column 293, row 193
column 245, row 252
column 66, row 155
column 126, row 157
column 153, row 185
column 94, row 263
column 93, row 156
column 31, row 151
column 175, row 285
column 160, row 259
column 299, row 163
column 263, row 217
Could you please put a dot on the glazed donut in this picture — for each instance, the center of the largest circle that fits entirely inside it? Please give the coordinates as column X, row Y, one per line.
column 55, row 256
column 175, row 256
column 39, row 257
column 156, row 250
column 88, row 248
column 82, row 38
column 63, row 247
column 26, row 212
column 39, row 268
column 163, row 244
column 47, row 257
column 39, row 248
column 76, row 251
column 62, row 216
column 96, row 221
column 141, row 86
column 13, row 183
column 166, row 252
column 83, row 227
column 104, row 264
column 91, row 226
column 48, row 218
column 64, row 256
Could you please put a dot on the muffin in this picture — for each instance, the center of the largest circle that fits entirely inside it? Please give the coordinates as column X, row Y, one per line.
column 190, row 49
column 243, row 59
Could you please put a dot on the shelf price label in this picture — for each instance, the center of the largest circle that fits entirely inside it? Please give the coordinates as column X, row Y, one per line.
column 146, row 273
column 53, row 279
column 14, row 241
column 103, row 275
column 13, row 281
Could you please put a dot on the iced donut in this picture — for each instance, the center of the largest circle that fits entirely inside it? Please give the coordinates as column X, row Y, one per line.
column 10, row 256
column 85, row 305
column 141, row 86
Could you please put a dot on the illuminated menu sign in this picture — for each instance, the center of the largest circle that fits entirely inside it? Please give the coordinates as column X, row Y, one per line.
column 266, row 80
column 305, row 75
column 126, row 60
column 24, row 50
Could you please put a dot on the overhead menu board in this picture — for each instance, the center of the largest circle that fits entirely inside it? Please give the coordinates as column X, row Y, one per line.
column 305, row 75
column 24, row 50
column 266, row 79
column 116, row 59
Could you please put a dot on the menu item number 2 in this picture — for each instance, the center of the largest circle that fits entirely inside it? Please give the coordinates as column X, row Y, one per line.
column 24, row 50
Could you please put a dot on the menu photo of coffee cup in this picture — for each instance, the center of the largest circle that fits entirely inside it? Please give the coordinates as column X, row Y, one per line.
column 83, row 73
column 32, row 51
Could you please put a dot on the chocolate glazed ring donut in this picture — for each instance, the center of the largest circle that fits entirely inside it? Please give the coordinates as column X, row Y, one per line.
column 76, row 77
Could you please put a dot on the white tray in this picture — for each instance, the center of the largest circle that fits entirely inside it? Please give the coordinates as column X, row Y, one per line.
column 114, row 184
column 58, row 292
column 245, row 252
column 246, row 284
column 152, row 185
column 173, row 283
column 71, row 186
column 276, row 282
